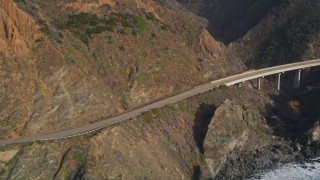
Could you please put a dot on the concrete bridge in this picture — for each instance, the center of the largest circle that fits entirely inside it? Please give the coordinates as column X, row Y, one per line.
column 228, row 81
column 276, row 70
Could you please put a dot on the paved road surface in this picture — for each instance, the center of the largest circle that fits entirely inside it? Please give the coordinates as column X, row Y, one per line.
column 253, row 74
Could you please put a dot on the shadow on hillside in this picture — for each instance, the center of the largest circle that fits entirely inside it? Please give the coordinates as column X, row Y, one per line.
column 202, row 120
column 287, row 122
column 232, row 19
column 196, row 173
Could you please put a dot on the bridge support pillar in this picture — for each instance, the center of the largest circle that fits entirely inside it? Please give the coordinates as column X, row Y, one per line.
column 278, row 81
column 297, row 79
column 259, row 84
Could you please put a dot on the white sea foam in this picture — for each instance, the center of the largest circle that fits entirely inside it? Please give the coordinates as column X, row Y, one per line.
column 293, row 171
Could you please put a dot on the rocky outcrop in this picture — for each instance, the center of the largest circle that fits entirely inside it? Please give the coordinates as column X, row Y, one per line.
column 209, row 44
column 314, row 133
column 5, row 157
column 233, row 129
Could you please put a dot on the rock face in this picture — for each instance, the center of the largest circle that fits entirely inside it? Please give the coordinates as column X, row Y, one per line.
column 17, row 30
column 231, row 130
column 314, row 134
column 5, row 157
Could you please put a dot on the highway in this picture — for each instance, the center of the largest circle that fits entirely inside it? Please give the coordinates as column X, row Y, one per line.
column 228, row 81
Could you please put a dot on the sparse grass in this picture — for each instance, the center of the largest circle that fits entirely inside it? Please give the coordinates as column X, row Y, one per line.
column 110, row 39
column 60, row 35
column 94, row 55
column 143, row 78
column 65, row 175
column 125, row 103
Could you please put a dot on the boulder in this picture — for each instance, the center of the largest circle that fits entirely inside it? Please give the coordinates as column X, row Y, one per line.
column 231, row 130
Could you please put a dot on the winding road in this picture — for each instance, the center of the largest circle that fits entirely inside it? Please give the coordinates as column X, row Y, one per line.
column 228, row 81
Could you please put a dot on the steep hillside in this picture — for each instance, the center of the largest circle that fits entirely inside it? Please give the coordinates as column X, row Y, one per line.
column 69, row 63
column 230, row 20
column 288, row 33
column 163, row 144
column 263, row 33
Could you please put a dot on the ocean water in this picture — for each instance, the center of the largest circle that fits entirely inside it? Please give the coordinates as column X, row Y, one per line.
column 293, row 171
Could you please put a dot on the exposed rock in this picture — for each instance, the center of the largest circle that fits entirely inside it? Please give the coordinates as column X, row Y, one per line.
column 315, row 133
column 17, row 28
column 6, row 156
column 209, row 44
column 232, row 129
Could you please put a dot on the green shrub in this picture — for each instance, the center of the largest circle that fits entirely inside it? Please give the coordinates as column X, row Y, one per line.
column 27, row 144
column 148, row 117
column 160, row 1
column 20, row 1
column 79, row 157
column 223, row 87
column 184, row 106
column 44, row 27
column 157, row 112
column 84, row 25
column 140, row 23
column 164, row 27
column 121, row 47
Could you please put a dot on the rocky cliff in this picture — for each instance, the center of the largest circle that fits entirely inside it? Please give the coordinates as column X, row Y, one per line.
column 70, row 63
